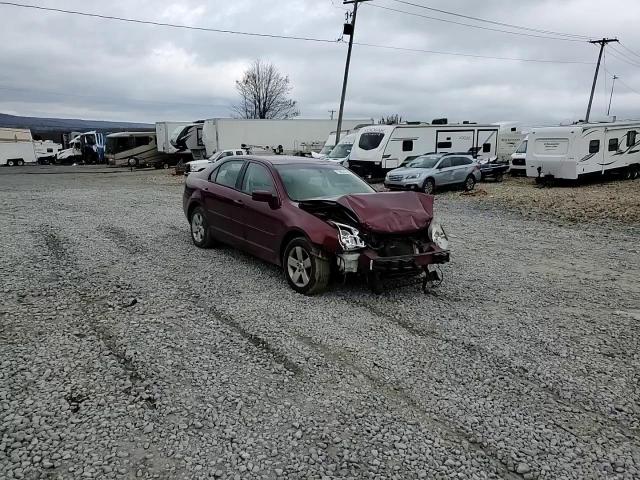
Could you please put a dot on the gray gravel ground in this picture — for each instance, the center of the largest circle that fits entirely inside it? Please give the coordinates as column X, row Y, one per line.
column 125, row 352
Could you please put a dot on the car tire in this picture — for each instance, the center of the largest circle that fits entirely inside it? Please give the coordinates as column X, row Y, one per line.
column 429, row 186
column 200, row 234
column 20, row 163
column 469, row 183
column 635, row 172
column 11, row 163
column 499, row 177
column 133, row 162
column 376, row 285
column 305, row 272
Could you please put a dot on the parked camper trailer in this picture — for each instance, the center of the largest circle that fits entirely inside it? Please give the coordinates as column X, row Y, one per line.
column 340, row 153
column 298, row 137
column 584, row 149
column 330, row 143
column 134, row 149
column 164, row 133
column 84, row 148
column 46, row 151
column 188, row 140
column 381, row 148
column 16, row 147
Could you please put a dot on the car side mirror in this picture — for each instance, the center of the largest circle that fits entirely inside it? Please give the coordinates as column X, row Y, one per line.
column 265, row 197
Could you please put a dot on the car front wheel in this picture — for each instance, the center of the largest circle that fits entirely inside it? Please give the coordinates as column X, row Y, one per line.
column 429, row 186
column 469, row 183
column 306, row 273
column 200, row 229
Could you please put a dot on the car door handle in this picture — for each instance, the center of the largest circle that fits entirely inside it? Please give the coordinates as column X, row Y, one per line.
column 239, row 202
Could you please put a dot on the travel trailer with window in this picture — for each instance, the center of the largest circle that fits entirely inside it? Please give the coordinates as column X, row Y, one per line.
column 164, row 133
column 16, row 147
column 381, row 148
column 330, row 143
column 298, row 137
column 46, row 150
column 188, row 140
column 134, row 149
column 84, row 148
column 584, row 149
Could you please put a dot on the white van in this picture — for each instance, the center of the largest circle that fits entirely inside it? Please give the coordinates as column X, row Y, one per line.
column 519, row 159
column 16, row 147
column 584, row 149
column 340, row 153
column 381, row 148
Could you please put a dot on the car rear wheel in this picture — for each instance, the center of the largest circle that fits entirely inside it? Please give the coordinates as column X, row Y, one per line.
column 306, row 273
column 429, row 186
column 133, row 162
column 200, row 229
column 469, row 183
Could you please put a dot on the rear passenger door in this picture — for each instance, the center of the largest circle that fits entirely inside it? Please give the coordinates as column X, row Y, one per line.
column 444, row 172
column 460, row 169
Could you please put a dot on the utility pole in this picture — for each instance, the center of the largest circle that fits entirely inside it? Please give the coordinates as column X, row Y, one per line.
column 332, row 113
column 615, row 77
column 602, row 44
column 349, row 29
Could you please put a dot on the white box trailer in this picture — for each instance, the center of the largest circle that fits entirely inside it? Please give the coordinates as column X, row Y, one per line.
column 584, row 149
column 298, row 136
column 164, row 133
column 16, row 147
column 381, row 148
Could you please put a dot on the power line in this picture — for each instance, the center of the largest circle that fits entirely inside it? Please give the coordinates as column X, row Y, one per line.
column 630, row 51
column 170, row 25
column 616, row 54
column 469, row 55
column 519, row 27
column 309, row 39
column 545, row 37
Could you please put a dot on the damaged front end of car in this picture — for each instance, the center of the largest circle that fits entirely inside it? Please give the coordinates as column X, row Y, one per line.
column 385, row 235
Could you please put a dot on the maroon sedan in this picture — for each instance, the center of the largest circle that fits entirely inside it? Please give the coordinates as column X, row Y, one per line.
column 313, row 217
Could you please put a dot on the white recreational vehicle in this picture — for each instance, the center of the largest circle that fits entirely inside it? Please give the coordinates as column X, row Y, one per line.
column 299, row 136
column 188, row 140
column 584, row 149
column 134, row 149
column 381, row 148
column 86, row 148
column 164, row 133
column 16, row 147
column 46, row 150
column 330, row 143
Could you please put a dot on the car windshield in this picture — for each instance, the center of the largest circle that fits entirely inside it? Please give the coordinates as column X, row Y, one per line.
column 428, row 161
column 304, row 182
column 326, row 150
column 522, row 148
column 342, row 150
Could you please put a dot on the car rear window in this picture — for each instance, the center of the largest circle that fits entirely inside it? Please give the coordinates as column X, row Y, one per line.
column 370, row 140
column 228, row 173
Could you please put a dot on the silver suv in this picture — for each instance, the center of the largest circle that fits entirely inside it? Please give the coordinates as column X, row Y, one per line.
column 429, row 171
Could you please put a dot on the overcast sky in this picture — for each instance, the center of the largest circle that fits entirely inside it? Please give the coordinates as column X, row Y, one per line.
column 59, row 65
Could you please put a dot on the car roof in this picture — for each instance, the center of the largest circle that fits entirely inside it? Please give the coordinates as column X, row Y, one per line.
column 285, row 160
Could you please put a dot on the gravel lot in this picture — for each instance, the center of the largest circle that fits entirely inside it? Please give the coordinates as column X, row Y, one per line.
column 125, row 352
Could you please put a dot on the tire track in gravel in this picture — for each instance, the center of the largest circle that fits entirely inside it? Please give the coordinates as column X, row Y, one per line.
column 519, row 372
column 399, row 398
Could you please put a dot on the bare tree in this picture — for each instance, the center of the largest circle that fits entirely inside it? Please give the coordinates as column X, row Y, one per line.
column 264, row 93
column 391, row 119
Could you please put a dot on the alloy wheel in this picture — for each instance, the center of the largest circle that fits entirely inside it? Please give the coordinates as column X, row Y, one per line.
column 197, row 227
column 299, row 266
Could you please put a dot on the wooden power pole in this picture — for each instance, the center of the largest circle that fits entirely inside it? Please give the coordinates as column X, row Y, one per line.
column 602, row 44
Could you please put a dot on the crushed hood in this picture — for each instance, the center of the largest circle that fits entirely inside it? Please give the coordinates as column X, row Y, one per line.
column 389, row 212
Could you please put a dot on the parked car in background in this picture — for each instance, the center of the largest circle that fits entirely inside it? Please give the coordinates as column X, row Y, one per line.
column 431, row 171
column 198, row 165
column 311, row 217
column 493, row 170
column 340, row 153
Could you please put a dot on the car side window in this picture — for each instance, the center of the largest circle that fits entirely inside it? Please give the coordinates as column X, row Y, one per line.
column 445, row 163
column 239, row 152
column 461, row 161
column 228, row 173
column 257, row 178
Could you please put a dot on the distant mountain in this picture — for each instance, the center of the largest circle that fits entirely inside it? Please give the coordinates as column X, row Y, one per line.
column 44, row 125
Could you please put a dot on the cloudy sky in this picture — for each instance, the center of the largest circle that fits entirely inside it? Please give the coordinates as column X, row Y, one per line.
column 54, row 64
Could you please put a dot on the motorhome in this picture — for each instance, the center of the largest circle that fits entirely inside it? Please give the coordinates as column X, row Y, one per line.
column 87, row 147
column 330, row 143
column 584, row 149
column 381, row 148
column 297, row 137
column 46, row 150
column 134, row 149
column 519, row 159
column 188, row 140
column 16, row 147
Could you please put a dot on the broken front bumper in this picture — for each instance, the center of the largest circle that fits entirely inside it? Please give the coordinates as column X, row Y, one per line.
column 369, row 261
